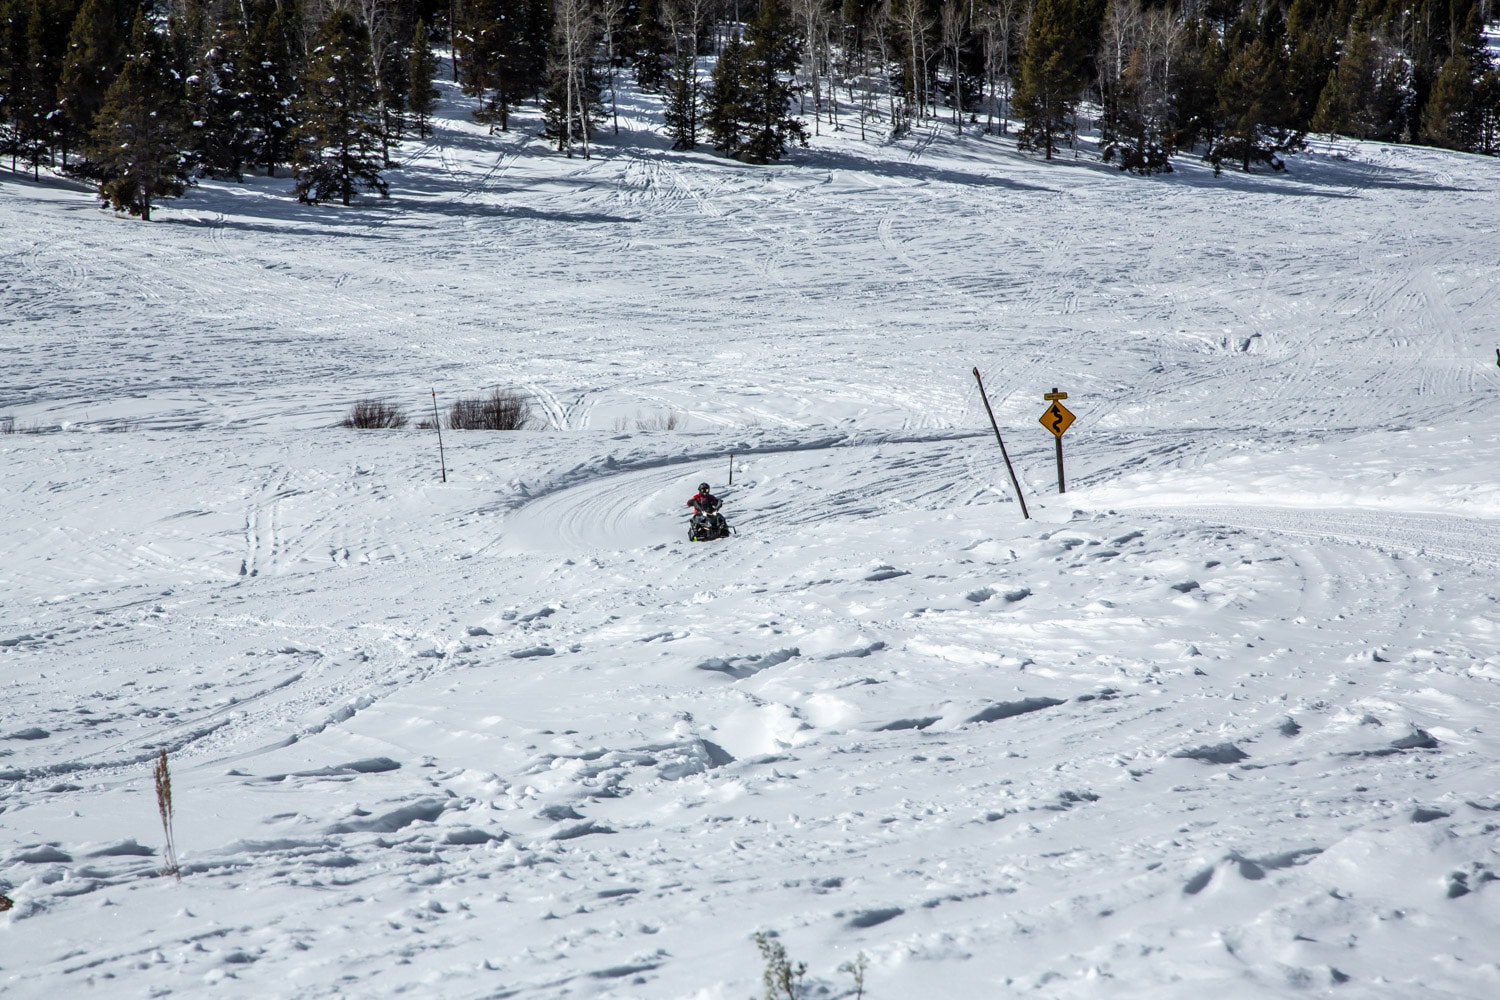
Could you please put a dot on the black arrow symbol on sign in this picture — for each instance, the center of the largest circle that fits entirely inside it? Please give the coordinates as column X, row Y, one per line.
column 1057, row 419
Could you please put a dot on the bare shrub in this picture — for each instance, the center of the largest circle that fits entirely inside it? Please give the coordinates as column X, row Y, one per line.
column 163, row 777
column 375, row 414
column 501, row 410
column 782, row 979
column 660, row 422
column 7, row 425
column 857, row 968
column 655, row 422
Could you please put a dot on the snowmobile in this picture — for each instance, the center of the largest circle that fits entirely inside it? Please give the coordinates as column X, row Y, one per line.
column 708, row 526
column 707, row 523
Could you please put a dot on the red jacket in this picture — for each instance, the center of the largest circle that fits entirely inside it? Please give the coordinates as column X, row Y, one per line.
column 705, row 503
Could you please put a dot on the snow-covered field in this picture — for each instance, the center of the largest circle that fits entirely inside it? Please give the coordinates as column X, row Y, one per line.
column 1223, row 720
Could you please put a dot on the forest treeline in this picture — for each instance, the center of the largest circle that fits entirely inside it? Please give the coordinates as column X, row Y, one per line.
column 141, row 97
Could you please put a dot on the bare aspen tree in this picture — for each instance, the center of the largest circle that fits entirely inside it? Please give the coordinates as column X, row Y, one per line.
column 1135, row 67
column 685, row 20
column 380, row 26
column 610, row 13
column 955, row 26
column 815, row 16
column 888, row 16
column 573, row 39
column 913, row 26
column 998, row 24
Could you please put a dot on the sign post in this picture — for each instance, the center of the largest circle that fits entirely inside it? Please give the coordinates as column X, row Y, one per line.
column 1057, row 419
column 1003, row 453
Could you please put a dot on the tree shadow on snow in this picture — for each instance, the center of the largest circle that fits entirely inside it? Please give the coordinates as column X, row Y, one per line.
column 478, row 210
column 916, row 171
column 288, row 227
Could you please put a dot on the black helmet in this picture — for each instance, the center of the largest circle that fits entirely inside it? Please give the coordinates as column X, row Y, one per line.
column 702, row 487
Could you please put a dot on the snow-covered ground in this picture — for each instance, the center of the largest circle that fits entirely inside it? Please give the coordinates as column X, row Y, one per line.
column 1222, row 720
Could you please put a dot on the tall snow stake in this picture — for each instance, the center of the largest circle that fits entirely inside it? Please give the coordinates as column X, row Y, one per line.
column 1003, row 453
column 437, row 422
column 731, row 468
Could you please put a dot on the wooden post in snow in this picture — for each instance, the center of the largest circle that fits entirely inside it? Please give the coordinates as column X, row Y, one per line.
column 1003, row 453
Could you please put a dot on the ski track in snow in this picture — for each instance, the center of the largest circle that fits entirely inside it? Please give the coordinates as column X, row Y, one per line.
column 1222, row 718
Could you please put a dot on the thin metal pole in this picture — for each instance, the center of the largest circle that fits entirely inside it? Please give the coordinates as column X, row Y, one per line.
column 1006, row 455
column 1061, row 486
column 438, row 423
column 731, row 468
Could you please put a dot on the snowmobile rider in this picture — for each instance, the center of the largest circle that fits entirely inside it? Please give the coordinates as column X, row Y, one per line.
column 704, row 502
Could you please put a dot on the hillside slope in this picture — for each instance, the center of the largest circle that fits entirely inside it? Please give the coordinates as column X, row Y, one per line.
column 1221, row 718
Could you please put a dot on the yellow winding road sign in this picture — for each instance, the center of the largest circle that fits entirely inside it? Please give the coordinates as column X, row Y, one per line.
column 1057, row 419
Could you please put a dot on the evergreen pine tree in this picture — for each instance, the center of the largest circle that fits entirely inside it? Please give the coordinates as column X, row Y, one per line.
column 648, row 42
column 1487, row 113
column 1451, row 116
column 503, row 49
column 1050, row 81
column 1254, row 99
column 12, row 73
column 724, row 104
column 1313, row 29
column 136, row 148
column 1364, row 93
column 218, row 91
column 680, row 110
column 95, row 53
column 40, row 120
column 270, row 78
column 337, row 136
column 1196, row 68
column 421, row 67
column 772, row 52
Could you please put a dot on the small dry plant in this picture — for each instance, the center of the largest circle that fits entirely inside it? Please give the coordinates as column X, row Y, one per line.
column 660, row 422
column 856, row 968
column 668, row 421
column 164, row 806
column 375, row 414
column 7, row 425
column 782, row 979
column 501, row 410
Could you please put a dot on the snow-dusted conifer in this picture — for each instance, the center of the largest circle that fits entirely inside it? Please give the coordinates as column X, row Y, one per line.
column 95, row 53
column 773, row 50
column 1254, row 100
column 649, row 43
column 136, row 148
column 502, row 54
column 1050, row 78
column 337, row 140
column 1364, row 93
column 270, row 76
column 680, row 103
column 421, row 67
column 1197, row 64
column 724, row 104
column 222, row 136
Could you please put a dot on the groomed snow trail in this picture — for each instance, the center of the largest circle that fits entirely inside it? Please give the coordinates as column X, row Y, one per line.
column 1222, row 719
